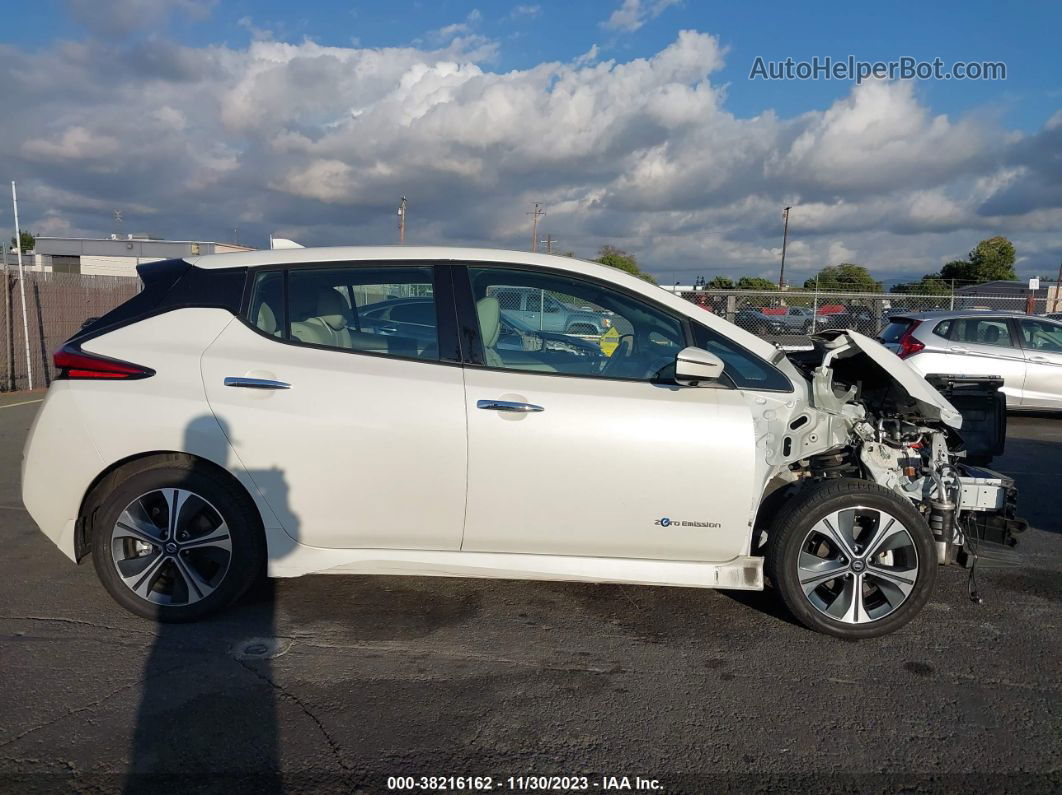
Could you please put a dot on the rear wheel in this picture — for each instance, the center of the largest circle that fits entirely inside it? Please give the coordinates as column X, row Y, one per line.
column 851, row 558
column 176, row 543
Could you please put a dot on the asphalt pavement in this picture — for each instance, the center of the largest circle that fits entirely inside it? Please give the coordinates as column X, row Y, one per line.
column 343, row 683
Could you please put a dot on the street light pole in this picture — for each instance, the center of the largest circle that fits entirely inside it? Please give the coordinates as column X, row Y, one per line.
column 785, row 237
column 402, row 221
column 22, row 285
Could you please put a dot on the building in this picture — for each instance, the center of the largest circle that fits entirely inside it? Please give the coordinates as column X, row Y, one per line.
column 117, row 256
column 1009, row 295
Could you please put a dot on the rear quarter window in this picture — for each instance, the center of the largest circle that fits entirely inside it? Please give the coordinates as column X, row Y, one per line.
column 895, row 330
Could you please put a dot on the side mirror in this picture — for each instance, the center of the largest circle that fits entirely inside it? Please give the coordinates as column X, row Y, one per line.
column 696, row 365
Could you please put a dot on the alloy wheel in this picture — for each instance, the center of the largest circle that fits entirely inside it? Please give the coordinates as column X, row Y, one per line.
column 171, row 547
column 857, row 565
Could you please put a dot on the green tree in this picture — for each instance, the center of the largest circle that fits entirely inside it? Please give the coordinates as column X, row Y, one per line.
column 845, row 276
column 721, row 283
column 991, row 259
column 755, row 283
column 616, row 258
column 28, row 240
column 930, row 284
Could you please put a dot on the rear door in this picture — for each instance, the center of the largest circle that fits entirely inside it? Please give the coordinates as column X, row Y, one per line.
column 985, row 346
column 355, row 438
column 1041, row 342
column 599, row 455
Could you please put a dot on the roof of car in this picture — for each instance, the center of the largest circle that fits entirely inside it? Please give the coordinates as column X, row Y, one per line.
column 292, row 256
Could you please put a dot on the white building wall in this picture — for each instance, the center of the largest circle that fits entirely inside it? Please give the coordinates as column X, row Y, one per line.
column 112, row 266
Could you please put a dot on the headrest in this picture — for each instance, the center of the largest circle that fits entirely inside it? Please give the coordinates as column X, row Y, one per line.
column 992, row 334
column 267, row 319
column 489, row 320
column 331, row 308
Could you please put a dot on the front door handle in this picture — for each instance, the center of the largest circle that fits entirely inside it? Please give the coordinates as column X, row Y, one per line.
column 256, row 383
column 1038, row 359
column 507, row 405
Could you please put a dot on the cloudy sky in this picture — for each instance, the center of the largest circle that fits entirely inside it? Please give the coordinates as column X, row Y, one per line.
column 633, row 122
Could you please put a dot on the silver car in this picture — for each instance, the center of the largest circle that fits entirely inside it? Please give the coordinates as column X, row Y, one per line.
column 1025, row 351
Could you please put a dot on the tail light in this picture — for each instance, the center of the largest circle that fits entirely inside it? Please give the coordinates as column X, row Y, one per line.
column 909, row 346
column 74, row 363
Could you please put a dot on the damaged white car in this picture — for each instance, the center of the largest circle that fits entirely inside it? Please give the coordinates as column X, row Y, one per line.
column 380, row 411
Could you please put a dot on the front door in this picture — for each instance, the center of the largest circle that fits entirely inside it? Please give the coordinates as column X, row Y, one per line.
column 1041, row 342
column 356, row 438
column 577, row 451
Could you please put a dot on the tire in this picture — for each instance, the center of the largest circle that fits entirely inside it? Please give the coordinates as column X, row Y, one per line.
column 184, row 573
column 894, row 568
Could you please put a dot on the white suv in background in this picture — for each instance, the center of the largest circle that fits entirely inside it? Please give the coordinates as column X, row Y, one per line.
column 240, row 417
column 1025, row 351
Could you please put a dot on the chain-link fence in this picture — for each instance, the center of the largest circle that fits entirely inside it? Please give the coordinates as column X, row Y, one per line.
column 57, row 305
column 789, row 317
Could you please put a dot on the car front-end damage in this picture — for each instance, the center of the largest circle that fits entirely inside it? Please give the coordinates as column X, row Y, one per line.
column 867, row 415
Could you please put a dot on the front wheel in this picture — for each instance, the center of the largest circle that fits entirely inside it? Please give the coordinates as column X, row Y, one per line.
column 176, row 543
column 851, row 558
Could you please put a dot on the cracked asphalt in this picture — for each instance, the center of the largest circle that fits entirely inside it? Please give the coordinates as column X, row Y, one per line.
column 337, row 683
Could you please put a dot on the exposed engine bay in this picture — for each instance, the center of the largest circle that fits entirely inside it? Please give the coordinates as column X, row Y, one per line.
column 869, row 416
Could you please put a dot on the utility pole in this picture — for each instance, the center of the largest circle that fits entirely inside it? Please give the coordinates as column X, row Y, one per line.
column 549, row 241
column 1058, row 290
column 535, row 214
column 785, row 236
column 22, row 285
column 402, row 221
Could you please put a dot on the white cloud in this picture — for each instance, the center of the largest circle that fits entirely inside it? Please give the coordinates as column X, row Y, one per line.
column 632, row 14
column 321, row 141
column 526, row 11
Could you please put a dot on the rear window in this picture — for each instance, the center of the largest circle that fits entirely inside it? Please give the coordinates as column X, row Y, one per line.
column 895, row 329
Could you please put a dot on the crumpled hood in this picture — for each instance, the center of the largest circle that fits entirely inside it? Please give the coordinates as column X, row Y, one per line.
column 932, row 404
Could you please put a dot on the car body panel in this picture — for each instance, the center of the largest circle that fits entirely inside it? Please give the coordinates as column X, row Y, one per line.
column 332, row 453
column 929, row 400
column 643, row 454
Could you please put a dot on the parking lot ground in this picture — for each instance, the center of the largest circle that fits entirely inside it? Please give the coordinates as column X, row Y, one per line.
column 337, row 683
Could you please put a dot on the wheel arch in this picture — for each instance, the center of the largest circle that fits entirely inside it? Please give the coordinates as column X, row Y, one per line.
column 139, row 462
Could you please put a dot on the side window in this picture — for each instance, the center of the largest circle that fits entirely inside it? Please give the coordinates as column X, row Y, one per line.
column 369, row 309
column 743, row 368
column 943, row 329
column 266, row 311
column 982, row 331
column 1039, row 335
column 592, row 330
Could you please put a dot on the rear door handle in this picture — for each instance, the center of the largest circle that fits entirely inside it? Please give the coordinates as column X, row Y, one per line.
column 957, row 349
column 506, row 405
column 256, row 383
column 1038, row 359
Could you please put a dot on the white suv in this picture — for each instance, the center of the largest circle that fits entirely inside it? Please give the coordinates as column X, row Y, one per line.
column 237, row 418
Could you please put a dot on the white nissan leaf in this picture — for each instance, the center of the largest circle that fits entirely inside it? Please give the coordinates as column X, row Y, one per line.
column 239, row 418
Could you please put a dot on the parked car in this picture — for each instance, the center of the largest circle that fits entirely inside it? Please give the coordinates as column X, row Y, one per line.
column 1026, row 352
column 230, row 421
column 416, row 318
column 794, row 319
column 540, row 310
column 757, row 322
column 857, row 318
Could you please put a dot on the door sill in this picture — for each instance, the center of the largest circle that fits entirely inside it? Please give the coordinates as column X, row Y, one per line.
column 743, row 573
